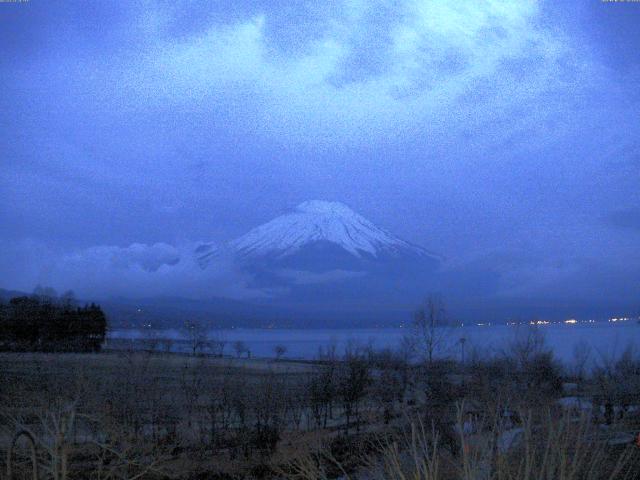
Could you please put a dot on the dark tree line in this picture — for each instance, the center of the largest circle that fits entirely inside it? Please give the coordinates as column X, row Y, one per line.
column 46, row 324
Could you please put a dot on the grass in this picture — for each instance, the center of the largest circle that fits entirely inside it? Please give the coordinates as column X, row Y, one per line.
column 563, row 448
column 130, row 414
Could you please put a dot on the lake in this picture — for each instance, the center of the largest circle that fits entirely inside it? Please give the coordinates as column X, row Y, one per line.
column 605, row 339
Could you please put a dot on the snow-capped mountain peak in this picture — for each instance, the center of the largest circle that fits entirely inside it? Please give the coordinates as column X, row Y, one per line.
column 323, row 207
column 320, row 221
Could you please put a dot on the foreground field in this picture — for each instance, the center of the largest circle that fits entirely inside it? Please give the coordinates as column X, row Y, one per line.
column 134, row 414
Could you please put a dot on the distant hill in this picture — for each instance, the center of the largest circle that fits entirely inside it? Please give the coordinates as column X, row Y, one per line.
column 6, row 295
column 172, row 312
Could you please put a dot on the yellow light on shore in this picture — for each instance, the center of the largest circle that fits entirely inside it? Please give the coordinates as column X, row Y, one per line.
column 539, row 322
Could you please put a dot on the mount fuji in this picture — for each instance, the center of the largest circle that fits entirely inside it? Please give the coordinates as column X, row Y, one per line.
column 330, row 229
column 323, row 251
column 320, row 221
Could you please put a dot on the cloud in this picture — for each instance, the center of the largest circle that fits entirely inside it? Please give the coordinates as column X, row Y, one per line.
column 147, row 257
column 303, row 277
column 473, row 128
column 138, row 270
column 376, row 65
column 487, row 73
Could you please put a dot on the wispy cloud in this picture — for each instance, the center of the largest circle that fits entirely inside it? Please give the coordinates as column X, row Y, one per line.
column 149, row 258
column 137, row 270
column 425, row 56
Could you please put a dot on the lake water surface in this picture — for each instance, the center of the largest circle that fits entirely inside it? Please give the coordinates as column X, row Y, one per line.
column 606, row 340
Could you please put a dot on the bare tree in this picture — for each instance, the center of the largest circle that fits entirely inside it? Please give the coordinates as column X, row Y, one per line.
column 196, row 335
column 527, row 344
column 534, row 373
column 279, row 350
column 322, row 387
column 581, row 358
column 216, row 343
column 268, row 410
column 150, row 339
column 388, row 383
column 192, row 381
column 239, row 347
column 354, row 377
column 167, row 344
column 429, row 327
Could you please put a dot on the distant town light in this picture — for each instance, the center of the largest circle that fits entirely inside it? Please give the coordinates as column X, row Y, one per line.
column 539, row 322
column 619, row 319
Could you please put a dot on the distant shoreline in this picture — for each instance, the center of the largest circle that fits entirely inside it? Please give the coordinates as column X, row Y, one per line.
column 304, row 343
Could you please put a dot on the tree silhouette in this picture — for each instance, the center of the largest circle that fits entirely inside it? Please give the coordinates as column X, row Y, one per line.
column 44, row 323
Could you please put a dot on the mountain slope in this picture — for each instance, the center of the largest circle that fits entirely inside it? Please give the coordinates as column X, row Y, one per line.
column 206, row 253
column 323, row 253
column 320, row 221
column 317, row 225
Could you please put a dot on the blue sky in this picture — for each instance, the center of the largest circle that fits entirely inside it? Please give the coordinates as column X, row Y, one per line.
column 502, row 135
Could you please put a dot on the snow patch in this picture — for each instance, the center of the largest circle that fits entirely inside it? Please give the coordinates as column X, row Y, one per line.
column 318, row 220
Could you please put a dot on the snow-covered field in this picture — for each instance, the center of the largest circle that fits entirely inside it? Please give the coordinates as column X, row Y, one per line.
column 605, row 340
